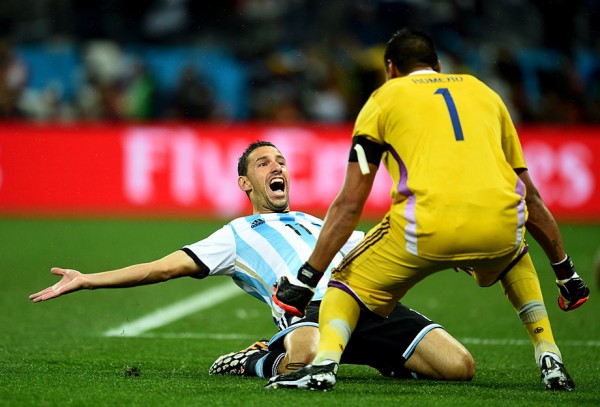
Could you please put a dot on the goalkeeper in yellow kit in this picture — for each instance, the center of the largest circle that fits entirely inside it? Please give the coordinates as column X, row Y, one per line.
column 462, row 198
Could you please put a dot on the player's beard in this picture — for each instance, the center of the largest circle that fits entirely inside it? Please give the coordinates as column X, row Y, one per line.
column 279, row 205
column 265, row 203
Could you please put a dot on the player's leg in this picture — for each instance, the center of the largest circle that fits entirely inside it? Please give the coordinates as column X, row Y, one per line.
column 351, row 285
column 288, row 350
column 407, row 344
column 338, row 316
column 296, row 349
column 301, row 347
column 440, row 356
column 240, row 363
column 372, row 276
column 522, row 288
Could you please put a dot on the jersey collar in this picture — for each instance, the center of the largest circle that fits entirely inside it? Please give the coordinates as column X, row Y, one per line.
column 422, row 72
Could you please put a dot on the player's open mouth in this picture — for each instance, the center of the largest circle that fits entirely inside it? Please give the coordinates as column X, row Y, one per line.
column 277, row 185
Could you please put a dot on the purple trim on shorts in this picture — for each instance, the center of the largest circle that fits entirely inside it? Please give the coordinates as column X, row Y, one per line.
column 348, row 290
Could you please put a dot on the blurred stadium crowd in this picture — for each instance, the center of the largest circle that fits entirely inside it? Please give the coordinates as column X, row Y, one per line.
column 284, row 60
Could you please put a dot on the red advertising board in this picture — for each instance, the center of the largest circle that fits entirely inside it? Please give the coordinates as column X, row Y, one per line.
column 190, row 169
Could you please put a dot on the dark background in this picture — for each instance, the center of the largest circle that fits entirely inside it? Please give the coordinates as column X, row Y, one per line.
column 284, row 60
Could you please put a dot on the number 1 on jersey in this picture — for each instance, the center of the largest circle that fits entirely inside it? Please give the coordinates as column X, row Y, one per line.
column 458, row 133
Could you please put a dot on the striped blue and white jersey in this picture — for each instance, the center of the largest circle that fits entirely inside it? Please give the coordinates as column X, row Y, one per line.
column 255, row 251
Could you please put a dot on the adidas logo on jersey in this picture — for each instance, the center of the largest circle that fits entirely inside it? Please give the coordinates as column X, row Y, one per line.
column 257, row 222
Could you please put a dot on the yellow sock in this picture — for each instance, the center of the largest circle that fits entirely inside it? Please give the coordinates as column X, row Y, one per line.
column 522, row 288
column 338, row 316
column 542, row 338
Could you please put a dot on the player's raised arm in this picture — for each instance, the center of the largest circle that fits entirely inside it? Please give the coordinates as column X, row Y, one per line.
column 174, row 265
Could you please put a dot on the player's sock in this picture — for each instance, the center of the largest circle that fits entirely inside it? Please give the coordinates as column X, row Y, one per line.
column 522, row 288
column 338, row 316
column 262, row 365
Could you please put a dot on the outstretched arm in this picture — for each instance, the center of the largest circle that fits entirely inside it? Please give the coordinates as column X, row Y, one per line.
column 174, row 265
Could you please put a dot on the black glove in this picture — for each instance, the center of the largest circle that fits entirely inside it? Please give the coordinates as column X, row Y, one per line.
column 573, row 291
column 294, row 298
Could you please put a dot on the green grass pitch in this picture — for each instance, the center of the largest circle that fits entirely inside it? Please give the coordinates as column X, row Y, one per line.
column 55, row 353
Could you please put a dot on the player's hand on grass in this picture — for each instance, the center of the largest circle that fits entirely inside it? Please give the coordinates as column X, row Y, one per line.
column 293, row 297
column 72, row 280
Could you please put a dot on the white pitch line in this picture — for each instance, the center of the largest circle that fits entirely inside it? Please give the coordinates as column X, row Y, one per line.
column 213, row 296
column 173, row 312
column 198, row 335
column 521, row 342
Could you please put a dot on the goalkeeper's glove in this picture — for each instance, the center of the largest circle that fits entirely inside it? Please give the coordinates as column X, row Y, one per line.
column 294, row 297
column 573, row 291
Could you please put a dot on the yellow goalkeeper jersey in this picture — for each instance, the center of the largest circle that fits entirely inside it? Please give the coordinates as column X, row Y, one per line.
column 451, row 149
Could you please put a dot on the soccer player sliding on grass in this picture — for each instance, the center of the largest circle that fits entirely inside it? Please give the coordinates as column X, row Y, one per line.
column 256, row 251
column 462, row 198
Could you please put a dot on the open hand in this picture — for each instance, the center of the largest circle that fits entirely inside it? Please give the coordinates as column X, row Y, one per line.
column 72, row 280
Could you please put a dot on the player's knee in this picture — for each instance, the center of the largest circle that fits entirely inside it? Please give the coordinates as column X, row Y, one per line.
column 469, row 367
column 460, row 367
column 464, row 368
column 301, row 347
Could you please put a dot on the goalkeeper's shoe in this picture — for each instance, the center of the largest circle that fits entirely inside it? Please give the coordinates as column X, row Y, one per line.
column 573, row 292
column 554, row 375
column 313, row 377
column 234, row 363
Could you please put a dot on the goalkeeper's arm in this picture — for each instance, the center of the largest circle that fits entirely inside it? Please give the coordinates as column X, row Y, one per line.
column 573, row 291
column 341, row 220
column 541, row 224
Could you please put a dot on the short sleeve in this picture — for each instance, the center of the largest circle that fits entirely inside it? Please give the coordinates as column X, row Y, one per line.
column 217, row 252
column 367, row 121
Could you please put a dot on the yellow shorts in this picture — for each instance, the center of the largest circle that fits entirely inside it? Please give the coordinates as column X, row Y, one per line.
column 379, row 271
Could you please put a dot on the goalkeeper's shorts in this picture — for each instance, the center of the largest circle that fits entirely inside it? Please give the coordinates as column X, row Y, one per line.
column 380, row 270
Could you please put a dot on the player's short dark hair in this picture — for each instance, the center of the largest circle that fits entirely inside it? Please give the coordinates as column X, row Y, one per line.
column 243, row 160
column 409, row 49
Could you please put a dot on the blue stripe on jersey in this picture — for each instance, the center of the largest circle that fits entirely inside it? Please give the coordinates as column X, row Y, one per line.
column 246, row 283
column 255, row 261
column 274, row 249
column 299, row 230
column 269, row 246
